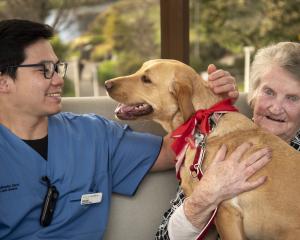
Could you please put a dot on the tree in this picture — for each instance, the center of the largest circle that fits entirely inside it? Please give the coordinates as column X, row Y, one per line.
column 131, row 29
column 38, row 10
column 220, row 28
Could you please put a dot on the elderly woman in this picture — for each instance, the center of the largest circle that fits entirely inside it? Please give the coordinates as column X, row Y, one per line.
column 275, row 100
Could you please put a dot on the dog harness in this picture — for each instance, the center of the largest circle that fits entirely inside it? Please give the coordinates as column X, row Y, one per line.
column 192, row 134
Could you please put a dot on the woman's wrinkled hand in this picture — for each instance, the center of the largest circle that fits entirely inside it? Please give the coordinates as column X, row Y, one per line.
column 225, row 178
column 230, row 177
column 222, row 82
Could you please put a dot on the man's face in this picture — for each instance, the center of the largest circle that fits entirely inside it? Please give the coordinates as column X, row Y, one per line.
column 32, row 94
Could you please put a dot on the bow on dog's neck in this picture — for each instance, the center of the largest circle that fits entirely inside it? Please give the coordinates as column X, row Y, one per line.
column 193, row 133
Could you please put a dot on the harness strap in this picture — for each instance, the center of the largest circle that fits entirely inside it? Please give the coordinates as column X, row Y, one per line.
column 193, row 134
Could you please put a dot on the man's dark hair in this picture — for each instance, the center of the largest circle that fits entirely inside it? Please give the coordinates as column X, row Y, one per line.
column 15, row 36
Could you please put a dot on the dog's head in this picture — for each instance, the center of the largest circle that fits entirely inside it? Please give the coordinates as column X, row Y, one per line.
column 161, row 90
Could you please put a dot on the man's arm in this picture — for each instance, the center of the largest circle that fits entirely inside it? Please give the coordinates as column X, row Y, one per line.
column 166, row 157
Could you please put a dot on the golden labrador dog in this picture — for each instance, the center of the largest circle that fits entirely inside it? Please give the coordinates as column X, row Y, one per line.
column 169, row 92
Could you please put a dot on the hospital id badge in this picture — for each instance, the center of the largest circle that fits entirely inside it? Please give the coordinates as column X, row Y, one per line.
column 91, row 198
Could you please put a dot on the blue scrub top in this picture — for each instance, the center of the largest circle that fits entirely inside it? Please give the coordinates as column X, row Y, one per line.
column 86, row 154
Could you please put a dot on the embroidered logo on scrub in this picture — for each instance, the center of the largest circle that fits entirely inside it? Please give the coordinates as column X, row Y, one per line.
column 9, row 187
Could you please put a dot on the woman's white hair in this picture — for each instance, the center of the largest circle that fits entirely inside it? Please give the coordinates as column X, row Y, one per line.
column 284, row 54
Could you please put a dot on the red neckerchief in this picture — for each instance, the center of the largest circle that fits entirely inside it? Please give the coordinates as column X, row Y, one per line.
column 184, row 138
column 184, row 135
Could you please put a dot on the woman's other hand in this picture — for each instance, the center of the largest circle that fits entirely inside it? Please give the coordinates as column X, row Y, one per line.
column 222, row 82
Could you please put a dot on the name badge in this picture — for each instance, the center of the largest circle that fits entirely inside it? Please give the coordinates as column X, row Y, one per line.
column 91, row 198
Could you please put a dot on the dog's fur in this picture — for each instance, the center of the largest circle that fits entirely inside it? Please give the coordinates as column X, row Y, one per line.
column 174, row 90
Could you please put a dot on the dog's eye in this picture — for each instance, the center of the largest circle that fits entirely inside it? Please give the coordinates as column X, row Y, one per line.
column 145, row 79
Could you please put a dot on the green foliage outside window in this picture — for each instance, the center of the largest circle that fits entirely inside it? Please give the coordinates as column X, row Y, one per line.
column 127, row 33
column 106, row 70
column 62, row 51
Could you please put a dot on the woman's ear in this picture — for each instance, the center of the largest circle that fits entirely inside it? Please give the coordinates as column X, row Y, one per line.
column 183, row 94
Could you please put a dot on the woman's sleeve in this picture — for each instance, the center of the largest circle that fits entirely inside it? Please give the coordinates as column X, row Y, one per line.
column 162, row 232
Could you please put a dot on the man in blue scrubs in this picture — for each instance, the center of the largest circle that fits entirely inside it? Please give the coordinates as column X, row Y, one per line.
column 58, row 170
column 85, row 158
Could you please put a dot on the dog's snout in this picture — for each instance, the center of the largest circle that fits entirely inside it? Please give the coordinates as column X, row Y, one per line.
column 108, row 85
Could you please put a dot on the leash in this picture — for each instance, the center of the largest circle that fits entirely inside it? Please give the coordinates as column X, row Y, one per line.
column 192, row 134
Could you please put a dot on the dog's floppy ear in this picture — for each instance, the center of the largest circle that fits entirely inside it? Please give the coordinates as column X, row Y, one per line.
column 183, row 94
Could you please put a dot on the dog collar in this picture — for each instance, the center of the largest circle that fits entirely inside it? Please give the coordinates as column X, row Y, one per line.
column 193, row 134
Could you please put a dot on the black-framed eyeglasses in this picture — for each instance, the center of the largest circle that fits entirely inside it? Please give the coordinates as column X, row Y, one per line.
column 49, row 68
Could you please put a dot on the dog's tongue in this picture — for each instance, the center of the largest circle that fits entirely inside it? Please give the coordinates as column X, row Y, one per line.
column 130, row 112
column 123, row 111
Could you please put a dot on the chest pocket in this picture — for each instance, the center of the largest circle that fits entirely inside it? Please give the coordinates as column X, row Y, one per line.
column 96, row 191
column 84, row 218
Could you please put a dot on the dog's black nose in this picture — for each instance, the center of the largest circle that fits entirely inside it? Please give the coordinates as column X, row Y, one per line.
column 108, row 85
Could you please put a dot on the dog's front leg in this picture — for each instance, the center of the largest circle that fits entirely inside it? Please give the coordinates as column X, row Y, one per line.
column 229, row 222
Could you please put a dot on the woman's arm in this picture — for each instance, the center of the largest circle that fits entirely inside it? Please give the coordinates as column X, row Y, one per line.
column 224, row 178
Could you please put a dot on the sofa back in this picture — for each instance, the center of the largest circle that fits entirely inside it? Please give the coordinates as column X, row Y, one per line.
column 137, row 217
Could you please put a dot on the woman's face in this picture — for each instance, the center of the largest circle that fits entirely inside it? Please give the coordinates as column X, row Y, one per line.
column 277, row 103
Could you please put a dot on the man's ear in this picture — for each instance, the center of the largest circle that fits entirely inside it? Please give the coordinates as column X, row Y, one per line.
column 183, row 94
column 4, row 83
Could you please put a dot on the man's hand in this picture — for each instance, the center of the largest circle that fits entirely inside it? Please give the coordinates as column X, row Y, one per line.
column 221, row 82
